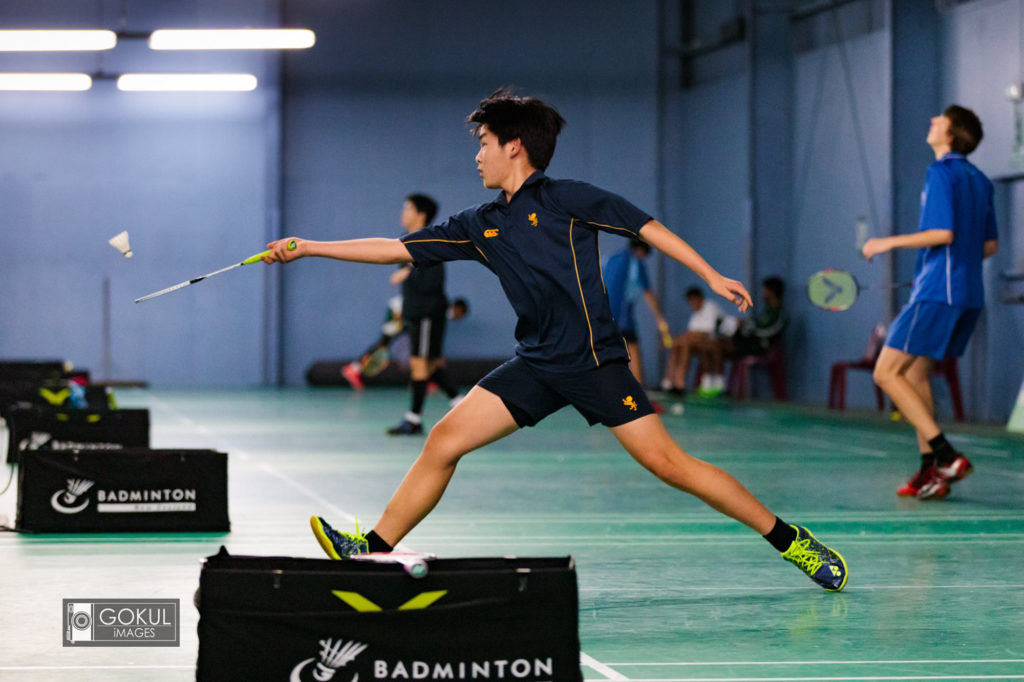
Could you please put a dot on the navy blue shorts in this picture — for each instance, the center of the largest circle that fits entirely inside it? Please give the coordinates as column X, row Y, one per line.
column 932, row 330
column 608, row 394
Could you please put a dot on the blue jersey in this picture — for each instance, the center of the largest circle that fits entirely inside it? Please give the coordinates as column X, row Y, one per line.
column 543, row 246
column 956, row 197
column 626, row 279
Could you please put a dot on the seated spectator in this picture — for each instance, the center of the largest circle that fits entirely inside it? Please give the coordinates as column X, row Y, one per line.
column 748, row 336
column 700, row 330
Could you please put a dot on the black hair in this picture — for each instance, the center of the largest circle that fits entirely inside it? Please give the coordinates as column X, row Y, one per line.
column 695, row 292
column 535, row 123
column 965, row 127
column 775, row 285
column 639, row 244
column 425, row 205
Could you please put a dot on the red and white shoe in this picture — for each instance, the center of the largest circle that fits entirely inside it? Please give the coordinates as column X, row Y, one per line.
column 934, row 486
column 912, row 487
column 957, row 470
column 353, row 376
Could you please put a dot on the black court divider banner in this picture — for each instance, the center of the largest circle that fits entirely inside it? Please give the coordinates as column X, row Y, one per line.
column 38, row 427
column 130, row 490
column 305, row 620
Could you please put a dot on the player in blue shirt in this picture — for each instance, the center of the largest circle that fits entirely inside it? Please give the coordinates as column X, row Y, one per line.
column 625, row 278
column 957, row 231
column 540, row 237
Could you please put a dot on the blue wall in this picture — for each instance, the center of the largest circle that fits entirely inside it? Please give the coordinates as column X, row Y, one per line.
column 192, row 177
column 377, row 111
column 758, row 164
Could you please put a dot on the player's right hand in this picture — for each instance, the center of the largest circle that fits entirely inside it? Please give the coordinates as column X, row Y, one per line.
column 285, row 250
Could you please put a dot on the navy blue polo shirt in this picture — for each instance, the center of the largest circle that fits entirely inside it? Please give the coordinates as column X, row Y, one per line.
column 956, row 197
column 543, row 246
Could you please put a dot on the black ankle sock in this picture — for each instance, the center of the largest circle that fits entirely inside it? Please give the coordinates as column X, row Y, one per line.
column 943, row 451
column 927, row 460
column 419, row 392
column 781, row 536
column 376, row 544
column 440, row 377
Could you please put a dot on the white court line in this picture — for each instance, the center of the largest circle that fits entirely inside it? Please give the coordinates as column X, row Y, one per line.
column 601, row 668
column 955, row 661
column 591, row 662
column 97, row 667
column 827, row 679
column 749, row 588
column 801, row 440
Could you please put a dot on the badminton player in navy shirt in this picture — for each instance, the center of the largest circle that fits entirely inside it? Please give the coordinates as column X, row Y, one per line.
column 539, row 236
column 957, row 231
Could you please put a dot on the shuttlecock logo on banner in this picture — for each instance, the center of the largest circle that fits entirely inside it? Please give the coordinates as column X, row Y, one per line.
column 120, row 242
column 64, row 500
column 333, row 655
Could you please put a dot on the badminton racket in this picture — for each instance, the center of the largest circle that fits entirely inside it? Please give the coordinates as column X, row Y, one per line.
column 248, row 261
column 837, row 290
column 376, row 362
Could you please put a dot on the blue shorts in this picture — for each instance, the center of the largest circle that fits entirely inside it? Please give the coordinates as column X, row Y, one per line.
column 608, row 394
column 934, row 330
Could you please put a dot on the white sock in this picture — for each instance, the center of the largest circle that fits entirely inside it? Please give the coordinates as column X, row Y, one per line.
column 412, row 417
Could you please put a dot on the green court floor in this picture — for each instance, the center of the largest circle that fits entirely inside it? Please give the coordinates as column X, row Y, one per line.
column 669, row 589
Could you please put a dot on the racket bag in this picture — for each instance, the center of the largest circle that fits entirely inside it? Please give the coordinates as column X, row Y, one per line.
column 281, row 618
column 39, row 427
column 129, row 490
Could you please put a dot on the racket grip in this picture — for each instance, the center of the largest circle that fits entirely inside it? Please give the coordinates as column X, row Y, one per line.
column 666, row 339
column 259, row 256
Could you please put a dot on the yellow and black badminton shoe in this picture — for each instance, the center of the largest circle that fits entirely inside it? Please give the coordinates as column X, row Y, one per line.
column 822, row 565
column 338, row 545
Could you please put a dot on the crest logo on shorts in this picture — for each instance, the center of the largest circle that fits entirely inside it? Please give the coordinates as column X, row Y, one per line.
column 629, row 402
column 493, row 232
column 533, row 219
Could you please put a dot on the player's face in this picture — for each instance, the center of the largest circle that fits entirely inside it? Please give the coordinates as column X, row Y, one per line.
column 938, row 133
column 492, row 161
column 412, row 219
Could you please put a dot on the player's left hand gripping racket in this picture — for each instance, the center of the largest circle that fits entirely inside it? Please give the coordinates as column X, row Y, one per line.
column 248, row 261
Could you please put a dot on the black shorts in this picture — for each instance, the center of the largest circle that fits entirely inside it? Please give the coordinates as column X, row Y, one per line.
column 608, row 394
column 426, row 336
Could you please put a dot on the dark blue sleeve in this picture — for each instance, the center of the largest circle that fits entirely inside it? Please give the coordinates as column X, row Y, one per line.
column 936, row 201
column 601, row 209
column 444, row 242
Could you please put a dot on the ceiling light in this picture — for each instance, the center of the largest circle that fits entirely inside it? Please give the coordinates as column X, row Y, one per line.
column 34, row 41
column 232, row 39
column 45, row 81
column 186, row 82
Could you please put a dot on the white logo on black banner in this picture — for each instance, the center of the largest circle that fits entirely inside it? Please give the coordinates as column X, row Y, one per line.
column 35, row 441
column 333, row 655
column 64, row 500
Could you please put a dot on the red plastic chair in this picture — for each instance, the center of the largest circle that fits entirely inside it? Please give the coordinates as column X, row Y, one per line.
column 837, row 380
column 772, row 360
column 947, row 369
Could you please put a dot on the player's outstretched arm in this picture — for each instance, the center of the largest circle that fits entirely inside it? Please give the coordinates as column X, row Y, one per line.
column 664, row 240
column 914, row 240
column 372, row 250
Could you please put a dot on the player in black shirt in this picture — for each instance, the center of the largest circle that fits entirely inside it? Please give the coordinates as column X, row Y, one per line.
column 424, row 311
column 539, row 236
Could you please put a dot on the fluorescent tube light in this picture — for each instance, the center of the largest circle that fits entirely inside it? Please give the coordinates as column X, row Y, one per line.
column 36, row 41
column 45, row 81
column 232, row 39
column 186, row 82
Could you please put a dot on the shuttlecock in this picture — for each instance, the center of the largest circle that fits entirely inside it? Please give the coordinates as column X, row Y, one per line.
column 120, row 242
